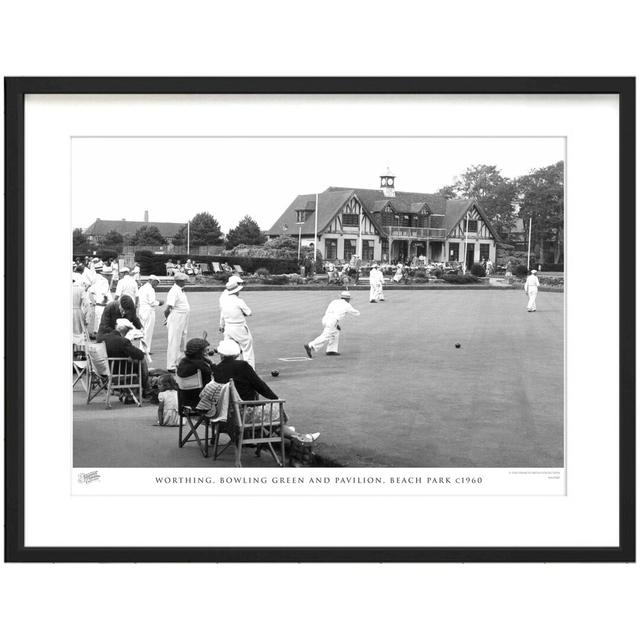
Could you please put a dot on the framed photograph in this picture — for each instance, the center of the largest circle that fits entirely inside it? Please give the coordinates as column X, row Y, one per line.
column 320, row 319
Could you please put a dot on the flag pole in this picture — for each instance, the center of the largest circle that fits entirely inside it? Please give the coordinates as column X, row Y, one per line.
column 529, row 245
column 188, row 235
column 315, row 235
column 466, row 240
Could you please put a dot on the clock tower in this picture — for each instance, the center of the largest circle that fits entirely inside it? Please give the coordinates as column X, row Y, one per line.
column 388, row 184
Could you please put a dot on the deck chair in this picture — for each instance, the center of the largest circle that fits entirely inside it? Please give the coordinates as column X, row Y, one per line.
column 80, row 362
column 112, row 374
column 193, row 417
column 256, row 422
column 238, row 269
column 216, row 267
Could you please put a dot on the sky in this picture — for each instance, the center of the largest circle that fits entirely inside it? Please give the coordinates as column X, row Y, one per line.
column 176, row 178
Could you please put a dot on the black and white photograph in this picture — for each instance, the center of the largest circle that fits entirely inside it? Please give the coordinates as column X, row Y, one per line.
column 318, row 301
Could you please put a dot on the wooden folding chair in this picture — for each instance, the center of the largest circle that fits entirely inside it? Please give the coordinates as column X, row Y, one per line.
column 80, row 366
column 112, row 374
column 238, row 269
column 194, row 418
column 256, row 422
column 216, row 267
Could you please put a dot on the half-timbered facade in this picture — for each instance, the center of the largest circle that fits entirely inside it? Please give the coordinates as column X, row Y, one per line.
column 388, row 225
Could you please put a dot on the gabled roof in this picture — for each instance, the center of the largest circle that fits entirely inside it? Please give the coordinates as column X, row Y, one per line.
column 402, row 202
column 123, row 227
column 328, row 206
column 457, row 209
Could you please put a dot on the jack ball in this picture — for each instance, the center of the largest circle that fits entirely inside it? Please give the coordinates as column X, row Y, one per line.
column 457, row 345
column 275, row 373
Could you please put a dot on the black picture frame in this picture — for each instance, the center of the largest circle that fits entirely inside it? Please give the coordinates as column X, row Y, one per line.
column 15, row 91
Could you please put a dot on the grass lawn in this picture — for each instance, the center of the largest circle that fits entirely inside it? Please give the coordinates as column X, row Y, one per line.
column 400, row 394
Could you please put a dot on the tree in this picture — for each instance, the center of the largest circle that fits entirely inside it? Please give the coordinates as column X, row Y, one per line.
column 541, row 196
column 449, row 192
column 79, row 239
column 147, row 235
column 203, row 229
column 496, row 194
column 247, row 232
column 180, row 238
column 113, row 239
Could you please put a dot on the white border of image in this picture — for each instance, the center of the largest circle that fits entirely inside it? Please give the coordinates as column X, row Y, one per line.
column 587, row 516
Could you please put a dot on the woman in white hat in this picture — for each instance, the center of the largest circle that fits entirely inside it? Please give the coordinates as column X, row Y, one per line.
column 233, row 313
column 375, row 284
column 177, row 319
column 248, row 383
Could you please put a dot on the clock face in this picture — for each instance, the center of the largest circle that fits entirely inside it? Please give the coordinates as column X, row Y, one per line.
column 384, row 182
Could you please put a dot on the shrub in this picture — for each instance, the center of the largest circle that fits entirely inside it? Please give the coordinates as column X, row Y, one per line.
column 520, row 271
column 420, row 279
column 477, row 270
column 262, row 272
column 456, row 278
column 277, row 280
column 437, row 273
column 421, row 273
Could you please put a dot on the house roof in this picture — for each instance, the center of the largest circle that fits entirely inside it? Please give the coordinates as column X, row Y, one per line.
column 329, row 203
column 123, row 227
column 447, row 213
column 402, row 202
column 457, row 209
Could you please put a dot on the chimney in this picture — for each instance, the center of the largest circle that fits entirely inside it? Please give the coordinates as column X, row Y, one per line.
column 146, row 216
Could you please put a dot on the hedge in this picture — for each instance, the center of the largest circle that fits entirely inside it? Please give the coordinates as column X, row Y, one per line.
column 155, row 263
column 457, row 278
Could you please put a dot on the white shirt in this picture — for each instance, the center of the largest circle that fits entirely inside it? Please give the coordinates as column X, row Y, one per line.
column 532, row 281
column 232, row 309
column 100, row 290
column 376, row 277
column 338, row 309
column 127, row 286
column 147, row 296
column 177, row 299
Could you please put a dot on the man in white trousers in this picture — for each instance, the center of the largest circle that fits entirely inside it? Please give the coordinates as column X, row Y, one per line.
column 335, row 313
column 177, row 320
column 147, row 308
column 531, row 289
column 99, row 295
column 233, row 314
column 375, row 284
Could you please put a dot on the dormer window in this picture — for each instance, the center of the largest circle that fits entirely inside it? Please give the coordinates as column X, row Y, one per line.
column 301, row 216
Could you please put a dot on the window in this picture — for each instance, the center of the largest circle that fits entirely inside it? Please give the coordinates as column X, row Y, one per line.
column 454, row 248
column 331, row 249
column 350, row 219
column 484, row 252
column 473, row 226
column 301, row 215
column 385, row 249
column 367, row 249
column 349, row 249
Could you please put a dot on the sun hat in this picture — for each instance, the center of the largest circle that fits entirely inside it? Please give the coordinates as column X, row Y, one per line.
column 534, row 271
column 228, row 348
column 234, row 284
column 154, row 278
column 123, row 322
column 123, row 269
column 178, row 277
column 345, row 294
